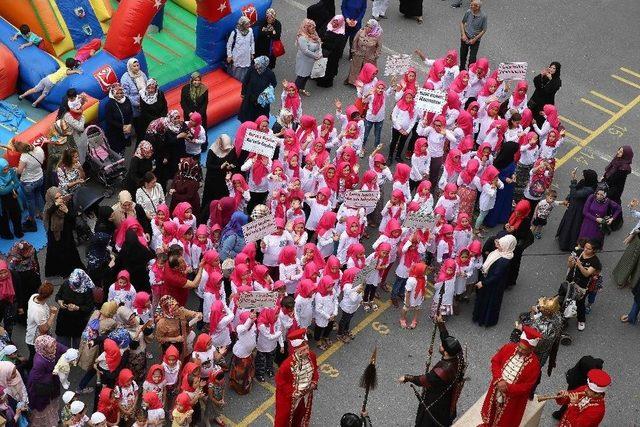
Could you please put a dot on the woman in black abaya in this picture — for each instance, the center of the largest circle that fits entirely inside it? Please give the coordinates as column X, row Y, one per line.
column 569, row 228
column 255, row 83
column 615, row 176
column 221, row 159
column 321, row 13
column 62, row 252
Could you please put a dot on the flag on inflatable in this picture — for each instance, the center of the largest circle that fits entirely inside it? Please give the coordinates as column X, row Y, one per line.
column 214, row 10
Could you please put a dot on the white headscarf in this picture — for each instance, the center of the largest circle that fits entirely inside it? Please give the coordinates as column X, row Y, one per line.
column 506, row 246
column 146, row 96
column 139, row 78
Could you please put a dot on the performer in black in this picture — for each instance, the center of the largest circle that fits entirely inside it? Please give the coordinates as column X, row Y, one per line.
column 442, row 385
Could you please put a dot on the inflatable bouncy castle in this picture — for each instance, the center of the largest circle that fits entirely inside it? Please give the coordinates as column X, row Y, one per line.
column 170, row 38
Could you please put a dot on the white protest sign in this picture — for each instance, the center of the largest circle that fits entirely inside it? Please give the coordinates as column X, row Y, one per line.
column 362, row 274
column 512, row 71
column 419, row 220
column 430, row 100
column 255, row 299
column 397, row 65
column 259, row 143
column 361, row 198
column 256, row 230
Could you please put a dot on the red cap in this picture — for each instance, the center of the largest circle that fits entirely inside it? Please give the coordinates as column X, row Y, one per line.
column 598, row 380
column 297, row 337
column 530, row 336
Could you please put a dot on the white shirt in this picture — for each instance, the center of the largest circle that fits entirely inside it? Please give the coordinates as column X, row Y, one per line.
column 410, row 288
column 401, row 119
column 194, row 146
column 243, row 50
column 325, row 307
column 351, row 298
column 247, row 334
column 268, row 341
column 420, row 167
column 488, row 196
column 274, row 245
column 343, row 245
column 315, row 213
column 37, row 314
column 220, row 337
column 33, row 161
column 150, row 199
column 528, row 155
column 379, row 116
column 263, row 187
column 290, row 275
column 303, row 311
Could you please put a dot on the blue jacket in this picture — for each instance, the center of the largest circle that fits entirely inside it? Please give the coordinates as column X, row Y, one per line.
column 354, row 9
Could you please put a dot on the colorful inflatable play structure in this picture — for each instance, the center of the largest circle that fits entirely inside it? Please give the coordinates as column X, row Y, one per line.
column 170, row 38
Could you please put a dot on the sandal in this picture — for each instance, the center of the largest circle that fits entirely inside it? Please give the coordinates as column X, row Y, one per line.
column 624, row 318
column 305, row 93
column 419, row 19
column 374, row 307
column 322, row 346
column 403, row 323
column 413, row 324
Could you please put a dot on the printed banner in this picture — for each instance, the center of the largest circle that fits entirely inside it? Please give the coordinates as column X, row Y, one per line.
column 259, row 143
column 256, row 230
column 512, row 71
column 255, row 299
column 431, row 100
column 419, row 220
column 361, row 198
column 397, row 65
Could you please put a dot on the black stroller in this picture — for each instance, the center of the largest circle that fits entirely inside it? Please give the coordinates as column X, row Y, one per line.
column 107, row 166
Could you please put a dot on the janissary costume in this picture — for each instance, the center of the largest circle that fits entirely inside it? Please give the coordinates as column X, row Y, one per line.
column 296, row 380
column 442, row 386
column 546, row 318
column 516, row 365
column 589, row 408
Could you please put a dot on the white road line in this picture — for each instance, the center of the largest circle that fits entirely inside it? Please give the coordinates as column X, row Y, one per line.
column 419, row 65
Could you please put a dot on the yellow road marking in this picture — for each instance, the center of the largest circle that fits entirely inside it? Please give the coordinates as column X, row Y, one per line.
column 598, row 131
column 575, row 124
column 227, row 421
column 321, row 359
column 628, row 71
column 268, row 415
column 597, row 106
column 572, row 136
column 623, row 80
column 267, row 386
column 606, row 98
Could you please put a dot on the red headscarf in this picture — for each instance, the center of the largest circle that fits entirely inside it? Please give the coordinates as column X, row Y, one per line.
column 326, row 223
column 520, row 92
column 465, row 122
column 165, row 210
column 552, row 115
column 184, row 400
column 489, row 174
column 475, row 248
column 451, row 58
column 258, row 168
column 350, row 221
column 317, row 256
column 126, row 225
column 124, row 377
column 268, row 317
column 295, row 170
column 326, row 192
column 355, row 251
column 420, row 147
column 443, row 275
column 152, row 370
column 107, row 404
column 410, row 84
column 238, row 274
column 404, row 105
column 466, row 145
column 411, row 256
column 367, row 73
column 378, row 98
column 424, row 186
column 332, row 263
column 402, row 173
column 458, row 84
column 202, row 342
column 348, row 276
column 384, row 246
column 290, row 142
column 370, row 179
column 7, row 292
column 460, row 262
column 470, row 171
column 188, row 369
column 475, row 107
column 152, row 400
column 220, row 211
column 501, row 127
column 459, row 226
column 494, row 107
column 332, row 183
column 480, row 67
column 453, row 100
column 140, row 302
column 481, row 148
column 448, row 189
column 417, row 271
column 213, row 285
column 550, row 143
column 292, row 102
column 322, row 156
column 124, row 274
column 171, row 351
column 520, row 212
column 238, row 196
column 216, row 315
column 180, row 210
column 398, row 194
column 112, row 354
column 350, row 153
column 352, row 131
column 526, row 118
column 250, row 251
column 325, row 130
column 325, row 287
column 306, row 288
column 392, row 226
column 487, row 88
column 287, row 255
column 443, row 235
column 452, row 163
column 436, row 69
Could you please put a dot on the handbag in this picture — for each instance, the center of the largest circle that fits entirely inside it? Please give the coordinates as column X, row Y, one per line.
column 319, row 68
column 277, row 48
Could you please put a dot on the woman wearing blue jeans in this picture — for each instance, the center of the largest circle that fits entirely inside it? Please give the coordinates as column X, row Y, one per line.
column 32, row 179
column 632, row 317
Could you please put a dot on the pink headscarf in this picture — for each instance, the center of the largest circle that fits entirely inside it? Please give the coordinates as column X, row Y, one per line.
column 378, row 98
column 130, row 223
column 242, row 130
column 336, row 25
column 520, row 93
column 258, row 168
column 552, row 115
column 409, row 107
column 458, row 84
column 367, row 73
column 292, row 102
column 480, row 67
column 489, row 174
column 196, row 118
column 470, row 171
column 308, row 125
column 436, row 69
column 443, row 276
column 451, row 165
column 486, row 89
column 179, row 211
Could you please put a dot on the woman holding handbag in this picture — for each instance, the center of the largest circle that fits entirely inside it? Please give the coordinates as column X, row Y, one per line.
column 268, row 41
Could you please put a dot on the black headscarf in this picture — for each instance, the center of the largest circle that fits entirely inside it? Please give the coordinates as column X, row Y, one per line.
column 103, row 224
column 556, row 75
column 506, row 154
column 590, row 179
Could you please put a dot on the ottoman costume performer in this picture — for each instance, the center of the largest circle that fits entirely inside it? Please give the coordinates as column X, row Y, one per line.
column 296, row 380
column 586, row 403
column 515, row 370
column 442, row 385
column 546, row 318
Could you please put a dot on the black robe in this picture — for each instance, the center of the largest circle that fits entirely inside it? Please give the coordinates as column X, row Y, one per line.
column 150, row 112
column 62, row 255
column 332, row 48
column 545, row 93
column 321, row 13
column 137, row 168
column 134, row 257
column 486, row 311
column 116, row 116
column 72, row 323
column 264, row 40
column 215, row 185
column 189, row 105
column 525, row 238
column 252, row 86
column 616, row 183
column 411, row 8
column 569, row 228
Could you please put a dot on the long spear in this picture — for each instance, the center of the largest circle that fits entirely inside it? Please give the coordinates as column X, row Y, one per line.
column 369, row 379
column 435, row 328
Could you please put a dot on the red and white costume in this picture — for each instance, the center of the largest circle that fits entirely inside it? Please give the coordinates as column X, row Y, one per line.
column 588, row 411
column 520, row 372
column 296, row 380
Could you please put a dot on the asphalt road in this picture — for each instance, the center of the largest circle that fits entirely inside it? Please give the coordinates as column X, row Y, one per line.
column 593, row 40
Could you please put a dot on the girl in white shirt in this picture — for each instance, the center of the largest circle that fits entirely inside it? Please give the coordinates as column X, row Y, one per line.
column 450, row 201
column 290, row 270
column 411, row 251
column 551, row 145
column 475, row 252
column 436, row 135
column 318, row 206
column 446, row 278
column 392, row 235
column 247, row 333
column 239, row 190
column 325, row 311
column 464, row 270
column 351, row 234
column 291, row 100
column 262, row 281
column 328, row 132
column 449, row 62
column 484, row 157
column 486, row 116
column 452, row 168
column 518, row 99
column 376, row 111
column 420, row 163
column 403, row 117
column 462, row 233
column 380, row 262
column 550, row 114
column 423, row 196
column 496, row 134
column 527, row 156
column 326, row 233
column 351, row 301
column 351, row 137
column 299, row 235
column 258, row 167
column 394, row 208
column 415, row 290
column 444, row 243
column 478, row 72
column 490, row 184
column 277, row 178
column 219, row 320
column 268, row 334
column 122, row 291
column 272, row 245
column 304, row 303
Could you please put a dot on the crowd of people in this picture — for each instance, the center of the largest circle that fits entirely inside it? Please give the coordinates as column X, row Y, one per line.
column 487, row 159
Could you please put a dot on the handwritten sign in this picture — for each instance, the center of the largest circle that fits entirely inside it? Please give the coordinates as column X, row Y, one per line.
column 256, row 230
column 419, row 220
column 512, row 71
column 361, row 198
column 362, row 274
column 430, row 100
column 255, row 299
column 397, row 65
column 259, row 143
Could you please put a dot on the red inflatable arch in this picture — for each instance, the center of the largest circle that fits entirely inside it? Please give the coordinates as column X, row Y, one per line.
column 128, row 26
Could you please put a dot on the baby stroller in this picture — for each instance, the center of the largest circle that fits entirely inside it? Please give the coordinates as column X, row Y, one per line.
column 570, row 293
column 104, row 164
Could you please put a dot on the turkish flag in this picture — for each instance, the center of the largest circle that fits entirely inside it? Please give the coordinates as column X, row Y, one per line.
column 213, row 10
column 105, row 77
column 250, row 12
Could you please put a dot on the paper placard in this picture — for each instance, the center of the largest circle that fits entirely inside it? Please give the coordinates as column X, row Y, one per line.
column 419, row 220
column 255, row 299
column 430, row 100
column 261, row 227
column 397, row 65
column 512, row 71
column 259, row 143
column 361, row 198
column 362, row 275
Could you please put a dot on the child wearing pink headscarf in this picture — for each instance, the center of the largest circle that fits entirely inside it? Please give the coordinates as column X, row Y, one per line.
column 379, row 259
column 450, row 201
column 291, row 100
column 196, row 136
column 375, row 113
column 446, row 278
column 452, row 168
column 449, row 62
column 490, row 185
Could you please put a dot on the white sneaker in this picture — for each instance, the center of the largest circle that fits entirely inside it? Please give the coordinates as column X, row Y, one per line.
column 581, row 326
